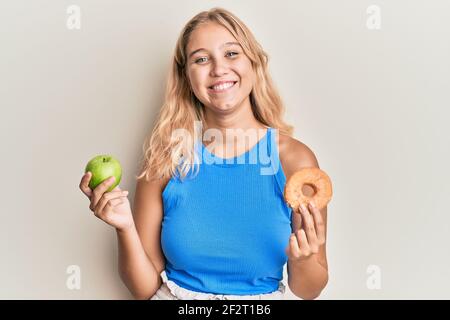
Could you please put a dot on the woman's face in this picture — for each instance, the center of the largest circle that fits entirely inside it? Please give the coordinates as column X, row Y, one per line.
column 214, row 56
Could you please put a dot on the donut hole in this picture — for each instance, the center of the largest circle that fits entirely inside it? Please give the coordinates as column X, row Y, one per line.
column 308, row 190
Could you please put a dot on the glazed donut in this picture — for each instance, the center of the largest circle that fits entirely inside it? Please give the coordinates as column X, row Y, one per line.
column 313, row 177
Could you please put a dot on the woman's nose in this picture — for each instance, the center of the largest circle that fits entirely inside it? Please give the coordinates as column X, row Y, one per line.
column 219, row 68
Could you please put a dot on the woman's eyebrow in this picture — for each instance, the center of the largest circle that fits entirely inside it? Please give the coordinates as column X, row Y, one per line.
column 226, row 44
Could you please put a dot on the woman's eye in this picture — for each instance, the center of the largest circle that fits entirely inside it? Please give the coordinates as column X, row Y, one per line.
column 235, row 53
column 199, row 60
column 228, row 54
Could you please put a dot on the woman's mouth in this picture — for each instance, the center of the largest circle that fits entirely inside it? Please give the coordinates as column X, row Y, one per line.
column 222, row 87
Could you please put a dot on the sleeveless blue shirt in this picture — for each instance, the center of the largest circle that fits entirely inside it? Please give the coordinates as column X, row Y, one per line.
column 224, row 231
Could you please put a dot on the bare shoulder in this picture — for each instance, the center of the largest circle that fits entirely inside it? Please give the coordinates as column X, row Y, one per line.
column 295, row 155
column 155, row 184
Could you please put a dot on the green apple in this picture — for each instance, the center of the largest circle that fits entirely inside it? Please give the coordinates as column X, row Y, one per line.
column 102, row 167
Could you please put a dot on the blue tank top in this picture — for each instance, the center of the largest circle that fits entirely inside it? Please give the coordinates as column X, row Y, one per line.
column 224, row 231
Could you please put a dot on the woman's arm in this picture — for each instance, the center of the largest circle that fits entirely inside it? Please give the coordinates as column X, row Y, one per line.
column 141, row 260
column 135, row 268
column 306, row 277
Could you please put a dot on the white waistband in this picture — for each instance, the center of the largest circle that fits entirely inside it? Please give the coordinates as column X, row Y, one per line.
column 185, row 294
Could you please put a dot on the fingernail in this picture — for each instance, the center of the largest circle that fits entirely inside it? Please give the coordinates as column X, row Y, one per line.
column 302, row 206
column 312, row 205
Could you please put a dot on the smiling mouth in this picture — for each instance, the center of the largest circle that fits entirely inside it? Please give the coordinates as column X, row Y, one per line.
column 221, row 89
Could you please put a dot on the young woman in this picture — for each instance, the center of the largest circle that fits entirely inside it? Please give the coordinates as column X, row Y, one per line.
column 219, row 229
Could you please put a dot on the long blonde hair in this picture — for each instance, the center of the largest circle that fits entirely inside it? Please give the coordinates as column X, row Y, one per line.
column 181, row 108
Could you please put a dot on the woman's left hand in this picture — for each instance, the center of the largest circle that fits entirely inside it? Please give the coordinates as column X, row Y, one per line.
column 305, row 242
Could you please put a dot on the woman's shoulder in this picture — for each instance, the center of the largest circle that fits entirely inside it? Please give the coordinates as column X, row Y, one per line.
column 295, row 155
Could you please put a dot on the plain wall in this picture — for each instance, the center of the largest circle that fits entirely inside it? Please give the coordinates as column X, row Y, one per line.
column 372, row 105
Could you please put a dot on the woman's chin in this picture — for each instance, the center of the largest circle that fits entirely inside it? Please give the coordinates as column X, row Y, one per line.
column 222, row 106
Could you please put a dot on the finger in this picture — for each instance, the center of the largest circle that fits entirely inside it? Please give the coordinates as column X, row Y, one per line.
column 115, row 202
column 109, row 205
column 294, row 249
column 100, row 190
column 311, row 231
column 319, row 224
column 309, row 225
column 303, row 243
column 107, row 197
column 296, row 220
column 84, row 184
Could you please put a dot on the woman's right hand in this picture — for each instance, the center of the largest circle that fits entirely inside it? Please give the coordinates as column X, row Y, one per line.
column 112, row 207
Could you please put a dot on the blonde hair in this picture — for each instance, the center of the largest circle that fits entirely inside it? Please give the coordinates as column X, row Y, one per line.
column 181, row 108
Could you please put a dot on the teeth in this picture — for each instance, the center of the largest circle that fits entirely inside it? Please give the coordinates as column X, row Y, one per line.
column 223, row 86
